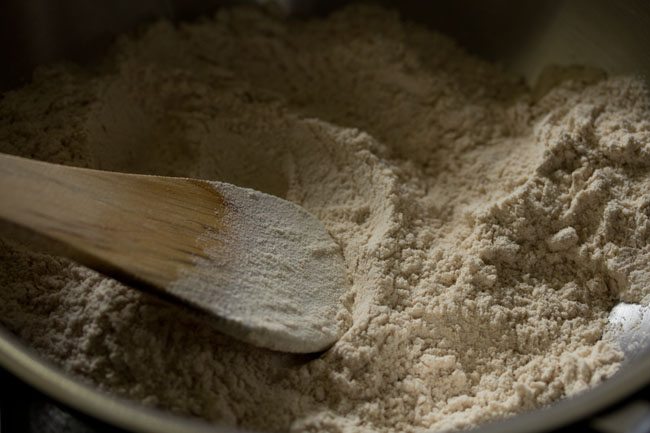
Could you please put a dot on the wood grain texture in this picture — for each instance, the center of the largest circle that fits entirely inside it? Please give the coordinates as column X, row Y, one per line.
column 142, row 228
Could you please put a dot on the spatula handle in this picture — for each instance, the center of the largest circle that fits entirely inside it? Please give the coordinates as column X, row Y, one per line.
column 129, row 226
column 49, row 199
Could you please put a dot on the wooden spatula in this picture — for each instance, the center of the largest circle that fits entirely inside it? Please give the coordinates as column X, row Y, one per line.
column 264, row 269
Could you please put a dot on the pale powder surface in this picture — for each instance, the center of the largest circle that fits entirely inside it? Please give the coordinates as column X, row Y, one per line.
column 487, row 229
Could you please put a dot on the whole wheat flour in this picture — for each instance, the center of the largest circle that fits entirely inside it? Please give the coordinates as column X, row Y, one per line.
column 487, row 228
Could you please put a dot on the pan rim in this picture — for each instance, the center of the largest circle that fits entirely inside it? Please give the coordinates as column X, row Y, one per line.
column 47, row 378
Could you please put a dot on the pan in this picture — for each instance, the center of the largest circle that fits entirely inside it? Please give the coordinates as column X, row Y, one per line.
column 523, row 36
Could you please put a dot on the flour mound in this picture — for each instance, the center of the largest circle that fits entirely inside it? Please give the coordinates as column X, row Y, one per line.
column 487, row 228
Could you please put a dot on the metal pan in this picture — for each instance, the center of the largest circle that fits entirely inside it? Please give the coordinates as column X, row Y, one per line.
column 524, row 36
